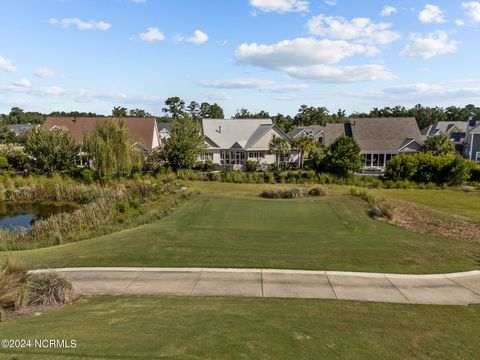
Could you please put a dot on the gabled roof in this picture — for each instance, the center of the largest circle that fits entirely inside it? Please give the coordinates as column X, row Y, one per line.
column 258, row 134
column 140, row 129
column 376, row 134
column 19, row 129
column 302, row 130
column 445, row 127
column 226, row 132
column 164, row 125
column 334, row 131
column 384, row 133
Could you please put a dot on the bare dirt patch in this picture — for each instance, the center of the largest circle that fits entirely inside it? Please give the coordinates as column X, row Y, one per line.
column 424, row 220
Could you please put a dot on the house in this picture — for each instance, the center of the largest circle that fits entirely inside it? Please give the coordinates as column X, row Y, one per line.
column 455, row 130
column 312, row 131
column 19, row 129
column 232, row 142
column 379, row 139
column 472, row 142
column 164, row 130
column 143, row 131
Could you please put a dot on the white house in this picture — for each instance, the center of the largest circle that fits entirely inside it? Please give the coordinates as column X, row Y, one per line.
column 231, row 142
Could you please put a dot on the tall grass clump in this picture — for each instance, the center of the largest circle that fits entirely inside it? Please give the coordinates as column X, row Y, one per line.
column 13, row 294
column 292, row 193
column 49, row 288
column 379, row 207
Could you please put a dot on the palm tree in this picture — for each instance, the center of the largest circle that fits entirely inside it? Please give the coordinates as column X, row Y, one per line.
column 278, row 146
column 305, row 145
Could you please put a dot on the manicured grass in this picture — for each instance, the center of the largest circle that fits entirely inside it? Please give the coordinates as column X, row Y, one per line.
column 219, row 328
column 453, row 202
column 239, row 230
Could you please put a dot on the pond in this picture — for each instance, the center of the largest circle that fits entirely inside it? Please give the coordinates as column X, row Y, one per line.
column 16, row 214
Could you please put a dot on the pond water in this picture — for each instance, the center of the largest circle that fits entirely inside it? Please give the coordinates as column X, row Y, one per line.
column 16, row 214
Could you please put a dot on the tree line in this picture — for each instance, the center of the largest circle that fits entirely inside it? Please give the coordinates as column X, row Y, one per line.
column 177, row 108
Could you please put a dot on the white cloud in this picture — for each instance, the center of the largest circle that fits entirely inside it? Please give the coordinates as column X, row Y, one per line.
column 472, row 9
column 436, row 43
column 45, row 73
column 388, row 10
column 152, row 34
column 341, row 74
column 6, row 65
column 259, row 84
column 306, row 58
column 431, row 14
column 459, row 22
column 331, row 2
column 25, row 83
column 297, row 52
column 139, row 1
column 359, row 29
column 199, row 37
column 80, row 24
column 218, row 96
column 281, row 6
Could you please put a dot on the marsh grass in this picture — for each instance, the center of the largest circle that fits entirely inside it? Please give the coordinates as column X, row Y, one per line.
column 379, row 207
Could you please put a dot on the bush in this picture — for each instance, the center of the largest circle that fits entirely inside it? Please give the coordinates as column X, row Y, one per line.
column 13, row 277
column 252, row 165
column 427, row 168
column 292, row 193
column 48, row 288
column 379, row 207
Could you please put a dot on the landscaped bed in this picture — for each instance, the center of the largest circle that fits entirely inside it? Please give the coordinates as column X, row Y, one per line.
column 139, row 327
column 231, row 226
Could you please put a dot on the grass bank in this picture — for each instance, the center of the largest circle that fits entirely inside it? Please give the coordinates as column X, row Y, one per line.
column 231, row 226
column 137, row 327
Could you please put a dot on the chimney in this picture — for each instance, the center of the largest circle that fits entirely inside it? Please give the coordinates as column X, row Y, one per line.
column 219, row 129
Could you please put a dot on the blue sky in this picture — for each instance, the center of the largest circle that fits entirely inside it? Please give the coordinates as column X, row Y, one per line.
column 272, row 55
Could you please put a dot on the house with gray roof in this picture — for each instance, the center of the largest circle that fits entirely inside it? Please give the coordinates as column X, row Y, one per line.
column 19, row 129
column 455, row 130
column 164, row 130
column 314, row 132
column 232, row 142
column 472, row 142
column 379, row 139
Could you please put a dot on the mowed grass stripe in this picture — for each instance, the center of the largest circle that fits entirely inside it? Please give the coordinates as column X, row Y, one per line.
column 139, row 327
column 330, row 233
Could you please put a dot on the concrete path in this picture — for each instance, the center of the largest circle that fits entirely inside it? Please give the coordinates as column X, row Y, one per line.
column 451, row 289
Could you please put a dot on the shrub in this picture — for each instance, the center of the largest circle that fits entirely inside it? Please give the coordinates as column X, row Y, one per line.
column 379, row 207
column 252, row 165
column 13, row 278
column 48, row 288
column 316, row 191
column 292, row 193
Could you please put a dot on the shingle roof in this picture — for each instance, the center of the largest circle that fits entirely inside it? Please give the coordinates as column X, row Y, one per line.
column 332, row 132
column 141, row 130
column 226, row 132
column 19, row 129
column 315, row 129
column 373, row 134
column 445, row 127
column 164, row 125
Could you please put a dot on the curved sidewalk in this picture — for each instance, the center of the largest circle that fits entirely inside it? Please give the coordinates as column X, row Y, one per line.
column 451, row 289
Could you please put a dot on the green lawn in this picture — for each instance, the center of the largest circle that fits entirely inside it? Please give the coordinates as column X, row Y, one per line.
column 453, row 202
column 134, row 327
column 237, row 229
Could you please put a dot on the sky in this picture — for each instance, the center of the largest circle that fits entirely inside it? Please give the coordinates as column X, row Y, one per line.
column 272, row 55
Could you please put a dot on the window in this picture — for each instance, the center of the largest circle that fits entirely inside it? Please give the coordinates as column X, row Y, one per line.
column 375, row 159
column 262, row 155
column 206, row 157
column 477, row 157
column 458, row 136
column 381, row 160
